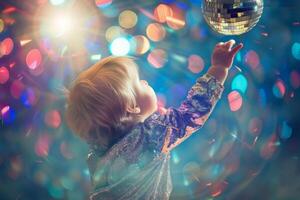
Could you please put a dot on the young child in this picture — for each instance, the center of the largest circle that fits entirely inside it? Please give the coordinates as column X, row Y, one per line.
column 130, row 141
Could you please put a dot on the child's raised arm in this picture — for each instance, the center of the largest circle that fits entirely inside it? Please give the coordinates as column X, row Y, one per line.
column 177, row 124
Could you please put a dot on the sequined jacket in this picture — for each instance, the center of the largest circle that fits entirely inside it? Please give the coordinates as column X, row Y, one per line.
column 137, row 166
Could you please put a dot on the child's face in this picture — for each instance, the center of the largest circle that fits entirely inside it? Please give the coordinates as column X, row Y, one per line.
column 146, row 97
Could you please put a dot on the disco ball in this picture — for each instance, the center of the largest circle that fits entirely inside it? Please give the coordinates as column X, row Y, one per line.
column 232, row 17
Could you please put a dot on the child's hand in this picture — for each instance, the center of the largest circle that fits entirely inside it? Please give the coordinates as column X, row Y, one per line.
column 223, row 54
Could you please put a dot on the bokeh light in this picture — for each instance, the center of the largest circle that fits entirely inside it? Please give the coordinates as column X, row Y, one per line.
column 279, row 89
column 139, row 44
column 252, row 59
column 127, row 19
column 175, row 157
column 7, row 46
column 255, row 126
column 30, row 96
column 155, row 32
column 53, row 118
column 235, row 100
column 239, row 83
column 96, row 57
column 286, row 131
column 162, row 12
column 66, row 151
column 16, row 88
column 296, row 50
column 113, row 32
column 195, row 64
column 103, row 3
column 33, row 59
column 157, row 58
column 42, row 145
column 1, row 25
column 177, row 20
column 8, row 114
column 120, row 47
column 4, row 75
column 4, row 110
column 295, row 79
column 217, row 188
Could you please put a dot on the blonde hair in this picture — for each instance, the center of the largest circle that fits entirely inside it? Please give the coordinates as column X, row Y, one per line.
column 99, row 97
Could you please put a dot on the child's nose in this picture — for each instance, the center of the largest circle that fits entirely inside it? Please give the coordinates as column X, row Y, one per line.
column 144, row 82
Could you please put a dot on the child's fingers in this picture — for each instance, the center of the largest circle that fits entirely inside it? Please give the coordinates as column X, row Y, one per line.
column 236, row 49
column 228, row 45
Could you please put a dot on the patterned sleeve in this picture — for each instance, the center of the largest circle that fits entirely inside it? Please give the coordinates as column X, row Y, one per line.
column 166, row 131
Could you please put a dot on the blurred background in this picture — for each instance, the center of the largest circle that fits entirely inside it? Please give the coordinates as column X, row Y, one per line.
column 249, row 147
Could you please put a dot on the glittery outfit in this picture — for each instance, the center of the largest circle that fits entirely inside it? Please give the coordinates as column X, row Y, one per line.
column 137, row 166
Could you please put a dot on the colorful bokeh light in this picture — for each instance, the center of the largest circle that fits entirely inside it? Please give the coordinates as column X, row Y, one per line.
column 1, row 25
column 239, row 83
column 53, row 119
column 177, row 20
column 6, row 46
column 120, row 47
column 255, row 126
column 295, row 79
column 16, row 88
column 235, row 100
column 195, row 64
column 252, row 59
column 139, row 44
column 128, row 19
column 33, row 59
column 4, row 75
column 30, row 96
column 157, row 58
column 286, row 131
column 155, row 32
column 162, row 12
column 279, row 89
column 113, row 32
column 42, row 145
column 296, row 50
column 103, row 3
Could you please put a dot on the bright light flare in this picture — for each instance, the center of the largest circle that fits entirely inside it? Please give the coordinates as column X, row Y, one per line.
column 120, row 47
column 57, row 24
column 60, row 26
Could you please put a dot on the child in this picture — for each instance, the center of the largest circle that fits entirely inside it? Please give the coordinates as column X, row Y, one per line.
column 130, row 141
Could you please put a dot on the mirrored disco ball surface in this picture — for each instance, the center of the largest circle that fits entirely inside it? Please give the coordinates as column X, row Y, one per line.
column 232, row 17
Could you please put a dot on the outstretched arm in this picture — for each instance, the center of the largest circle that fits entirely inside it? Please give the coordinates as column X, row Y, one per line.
column 180, row 123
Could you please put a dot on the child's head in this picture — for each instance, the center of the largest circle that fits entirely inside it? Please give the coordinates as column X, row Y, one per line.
column 109, row 95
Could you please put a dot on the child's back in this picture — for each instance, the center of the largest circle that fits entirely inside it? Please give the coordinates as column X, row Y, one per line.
column 131, row 160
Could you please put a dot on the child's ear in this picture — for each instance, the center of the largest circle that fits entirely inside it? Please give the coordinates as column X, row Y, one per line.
column 134, row 110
